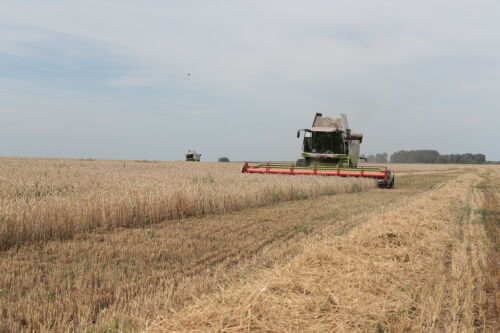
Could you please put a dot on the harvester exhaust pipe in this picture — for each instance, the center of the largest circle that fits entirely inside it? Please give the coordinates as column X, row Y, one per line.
column 318, row 115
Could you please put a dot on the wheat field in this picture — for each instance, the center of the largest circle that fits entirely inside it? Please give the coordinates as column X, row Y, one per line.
column 45, row 199
column 128, row 246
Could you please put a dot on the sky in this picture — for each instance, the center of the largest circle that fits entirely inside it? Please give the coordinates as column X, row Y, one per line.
column 109, row 78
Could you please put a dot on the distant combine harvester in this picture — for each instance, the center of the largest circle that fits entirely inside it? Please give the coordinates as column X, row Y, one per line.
column 193, row 156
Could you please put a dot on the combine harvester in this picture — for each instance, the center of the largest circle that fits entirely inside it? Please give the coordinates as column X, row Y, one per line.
column 329, row 149
column 193, row 156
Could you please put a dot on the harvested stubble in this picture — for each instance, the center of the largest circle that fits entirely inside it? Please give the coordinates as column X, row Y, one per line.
column 122, row 279
column 420, row 268
column 46, row 199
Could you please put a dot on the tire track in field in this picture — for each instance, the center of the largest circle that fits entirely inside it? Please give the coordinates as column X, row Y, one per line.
column 491, row 216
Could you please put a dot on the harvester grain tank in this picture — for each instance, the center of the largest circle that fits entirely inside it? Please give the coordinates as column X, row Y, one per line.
column 330, row 148
column 193, row 156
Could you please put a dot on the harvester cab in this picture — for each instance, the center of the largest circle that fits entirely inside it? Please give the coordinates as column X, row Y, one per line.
column 329, row 148
column 330, row 142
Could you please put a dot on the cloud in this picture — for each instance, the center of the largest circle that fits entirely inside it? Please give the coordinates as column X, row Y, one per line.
column 409, row 74
column 135, row 80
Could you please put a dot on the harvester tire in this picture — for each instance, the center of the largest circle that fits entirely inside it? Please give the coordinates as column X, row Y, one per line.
column 391, row 184
column 301, row 162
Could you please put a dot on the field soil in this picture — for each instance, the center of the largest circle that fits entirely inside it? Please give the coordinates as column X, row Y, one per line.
column 423, row 256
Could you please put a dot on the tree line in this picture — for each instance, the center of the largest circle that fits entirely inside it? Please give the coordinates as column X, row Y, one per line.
column 426, row 156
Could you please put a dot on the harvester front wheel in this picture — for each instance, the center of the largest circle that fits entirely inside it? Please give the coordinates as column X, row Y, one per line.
column 391, row 182
column 301, row 162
